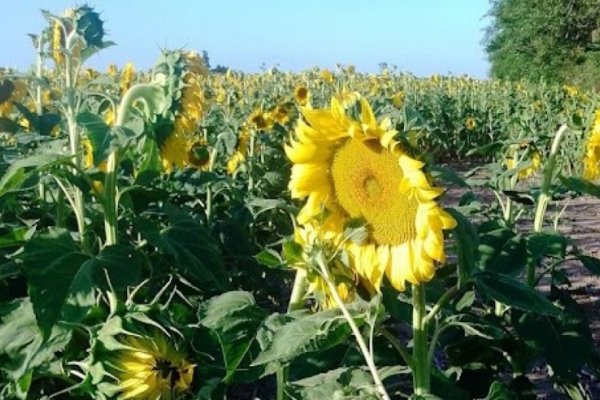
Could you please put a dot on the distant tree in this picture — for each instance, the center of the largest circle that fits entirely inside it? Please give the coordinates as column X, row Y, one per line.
column 558, row 40
column 206, row 58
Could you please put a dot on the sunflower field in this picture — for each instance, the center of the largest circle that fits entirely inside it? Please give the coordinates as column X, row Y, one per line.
column 185, row 234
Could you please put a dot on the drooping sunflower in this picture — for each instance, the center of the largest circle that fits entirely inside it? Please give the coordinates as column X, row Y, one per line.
column 150, row 368
column 591, row 159
column 349, row 169
column 177, row 135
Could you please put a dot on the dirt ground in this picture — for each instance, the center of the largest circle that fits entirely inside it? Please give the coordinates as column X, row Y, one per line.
column 580, row 222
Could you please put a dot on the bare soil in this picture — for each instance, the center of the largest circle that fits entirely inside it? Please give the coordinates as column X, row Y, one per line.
column 580, row 221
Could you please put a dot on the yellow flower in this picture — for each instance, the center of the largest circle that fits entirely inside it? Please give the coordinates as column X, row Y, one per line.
column 326, row 76
column 571, row 91
column 526, row 172
column 348, row 169
column 127, row 76
column 591, row 158
column 175, row 149
column 280, row 114
column 312, row 236
column 398, row 99
column 470, row 123
column 260, row 120
column 239, row 156
column 149, row 368
column 58, row 42
column 88, row 162
column 112, row 70
column 302, row 95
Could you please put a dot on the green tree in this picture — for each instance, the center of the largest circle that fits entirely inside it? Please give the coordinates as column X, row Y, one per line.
column 557, row 40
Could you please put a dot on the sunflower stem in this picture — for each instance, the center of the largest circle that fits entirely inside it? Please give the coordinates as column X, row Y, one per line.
column 421, row 370
column 251, row 162
column 298, row 291
column 281, row 375
column 74, row 141
column 544, row 196
column 357, row 334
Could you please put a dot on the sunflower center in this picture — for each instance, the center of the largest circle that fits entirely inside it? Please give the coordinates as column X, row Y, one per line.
column 366, row 179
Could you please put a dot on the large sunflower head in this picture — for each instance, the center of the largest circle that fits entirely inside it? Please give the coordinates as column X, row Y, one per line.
column 181, row 74
column 352, row 169
column 591, row 158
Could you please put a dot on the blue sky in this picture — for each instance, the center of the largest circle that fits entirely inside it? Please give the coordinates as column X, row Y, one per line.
column 419, row 36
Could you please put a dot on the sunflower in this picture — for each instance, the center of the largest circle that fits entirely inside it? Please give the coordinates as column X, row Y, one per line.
column 312, row 238
column 526, row 172
column 11, row 92
column 350, row 169
column 470, row 123
column 187, row 109
column 112, row 70
column 58, row 42
column 591, row 159
column 302, row 95
column 260, row 120
column 199, row 155
column 127, row 76
column 326, row 76
column 150, row 368
column 239, row 156
column 280, row 114
column 398, row 99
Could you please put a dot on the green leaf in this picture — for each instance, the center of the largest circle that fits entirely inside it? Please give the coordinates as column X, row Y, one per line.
column 502, row 251
column 564, row 341
column 592, row 264
column 193, row 251
column 121, row 264
column 509, row 291
column 340, row 383
column 269, row 258
column 499, row 391
column 15, row 237
column 308, row 333
column 98, row 134
column 544, row 244
column 466, row 241
column 60, row 278
column 21, row 170
column 581, row 186
column 235, row 318
column 447, row 175
column 22, row 347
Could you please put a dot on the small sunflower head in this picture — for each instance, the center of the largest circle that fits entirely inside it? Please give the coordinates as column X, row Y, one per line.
column 470, row 123
column 199, row 155
column 141, row 363
column 302, row 95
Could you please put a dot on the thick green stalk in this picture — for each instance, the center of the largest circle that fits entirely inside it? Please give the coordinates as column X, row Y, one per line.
column 111, row 203
column 421, row 370
column 74, row 141
column 544, row 196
